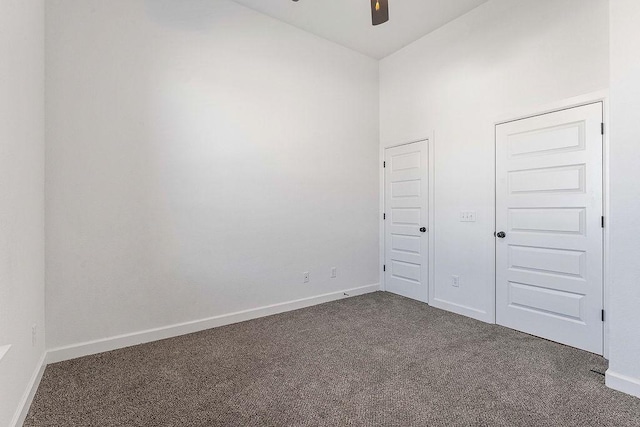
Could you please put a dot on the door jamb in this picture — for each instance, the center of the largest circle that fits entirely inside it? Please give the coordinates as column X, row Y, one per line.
column 579, row 101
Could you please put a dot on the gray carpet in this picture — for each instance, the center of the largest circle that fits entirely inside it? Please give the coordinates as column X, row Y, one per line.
column 374, row 360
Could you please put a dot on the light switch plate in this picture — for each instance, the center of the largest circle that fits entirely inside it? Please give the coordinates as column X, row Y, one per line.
column 468, row 216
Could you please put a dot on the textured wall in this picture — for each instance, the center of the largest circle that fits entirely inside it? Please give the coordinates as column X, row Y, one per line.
column 497, row 61
column 624, row 369
column 21, row 198
column 200, row 157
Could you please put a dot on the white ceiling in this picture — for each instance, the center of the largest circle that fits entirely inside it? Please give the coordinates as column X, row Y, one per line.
column 348, row 22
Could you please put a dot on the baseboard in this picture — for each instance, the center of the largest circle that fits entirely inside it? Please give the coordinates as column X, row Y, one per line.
column 463, row 310
column 107, row 344
column 622, row 383
column 30, row 392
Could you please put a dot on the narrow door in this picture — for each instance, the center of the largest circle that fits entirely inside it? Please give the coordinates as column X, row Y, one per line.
column 406, row 220
column 549, row 240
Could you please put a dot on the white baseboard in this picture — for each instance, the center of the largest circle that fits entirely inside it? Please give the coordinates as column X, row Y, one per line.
column 30, row 392
column 463, row 310
column 622, row 383
column 107, row 344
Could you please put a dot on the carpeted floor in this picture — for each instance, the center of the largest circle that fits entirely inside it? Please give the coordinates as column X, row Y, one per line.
column 373, row 360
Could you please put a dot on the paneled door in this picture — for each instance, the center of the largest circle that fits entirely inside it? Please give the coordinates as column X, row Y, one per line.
column 549, row 239
column 406, row 220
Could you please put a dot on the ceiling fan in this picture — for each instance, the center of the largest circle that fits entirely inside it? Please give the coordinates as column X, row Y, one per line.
column 379, row 11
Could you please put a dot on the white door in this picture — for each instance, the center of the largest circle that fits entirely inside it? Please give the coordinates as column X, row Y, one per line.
column 549, row 279
column 406, row 220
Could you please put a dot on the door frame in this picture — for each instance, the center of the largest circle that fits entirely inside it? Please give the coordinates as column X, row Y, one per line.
column 579, row 101
column 429, row 175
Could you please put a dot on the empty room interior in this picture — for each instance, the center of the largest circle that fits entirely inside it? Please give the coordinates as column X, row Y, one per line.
column 319, row 213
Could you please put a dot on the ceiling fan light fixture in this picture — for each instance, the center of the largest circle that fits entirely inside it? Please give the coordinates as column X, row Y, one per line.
column 379, row 11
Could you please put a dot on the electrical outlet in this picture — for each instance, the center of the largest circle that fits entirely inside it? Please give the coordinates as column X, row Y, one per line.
column 34, row 335
column 455, row 281
column 305, row 276
column 334, row 272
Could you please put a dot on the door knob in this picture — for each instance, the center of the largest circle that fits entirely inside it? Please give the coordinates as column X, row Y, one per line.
column 423, row 229
column 501, row 234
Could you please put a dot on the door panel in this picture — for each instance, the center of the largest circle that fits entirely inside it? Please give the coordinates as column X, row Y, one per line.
column 406, row 198
column 549, row 278
column 550, row 220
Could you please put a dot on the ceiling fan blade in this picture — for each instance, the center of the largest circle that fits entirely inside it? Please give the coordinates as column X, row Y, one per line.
column 379, row 11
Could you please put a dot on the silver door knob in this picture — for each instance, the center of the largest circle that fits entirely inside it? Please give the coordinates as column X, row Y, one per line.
column 501, row 234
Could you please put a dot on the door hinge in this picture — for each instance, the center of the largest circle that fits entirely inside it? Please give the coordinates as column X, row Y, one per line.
column 601, row 128
column 384, row 216
column 384, row 268
column 384, row 164
column 602, row 221
column 602, row 315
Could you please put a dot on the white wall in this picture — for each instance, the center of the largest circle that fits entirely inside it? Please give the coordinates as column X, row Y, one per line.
column 624, row 369
column 500, row 59
column 21, row 198
column 200, row 158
